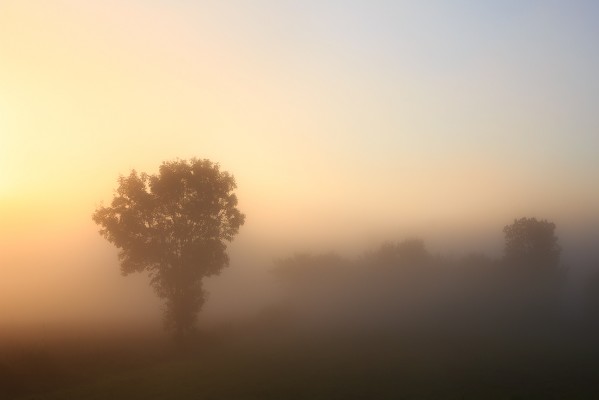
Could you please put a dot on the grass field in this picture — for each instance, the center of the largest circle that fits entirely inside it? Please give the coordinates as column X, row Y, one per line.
column 295, row 364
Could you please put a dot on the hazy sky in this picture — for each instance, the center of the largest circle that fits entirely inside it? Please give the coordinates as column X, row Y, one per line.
column 336, row 117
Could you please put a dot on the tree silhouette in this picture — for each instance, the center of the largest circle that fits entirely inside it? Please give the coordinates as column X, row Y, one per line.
column 531, row 243
column 174, row 225
column 407, row 253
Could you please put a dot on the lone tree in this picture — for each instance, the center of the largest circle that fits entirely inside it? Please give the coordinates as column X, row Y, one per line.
column 531, row 243
column 175, row 225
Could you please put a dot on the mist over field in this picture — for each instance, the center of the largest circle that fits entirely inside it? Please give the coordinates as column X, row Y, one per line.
column 282, row 199
column 75, row 283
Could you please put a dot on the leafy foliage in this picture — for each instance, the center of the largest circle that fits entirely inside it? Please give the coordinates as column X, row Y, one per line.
column 407, row 253
column 531, row 243
column 174, row 225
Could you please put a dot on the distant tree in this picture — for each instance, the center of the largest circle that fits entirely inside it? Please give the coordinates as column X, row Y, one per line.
column 174, row 225
column 533, row 243
column 409, row 252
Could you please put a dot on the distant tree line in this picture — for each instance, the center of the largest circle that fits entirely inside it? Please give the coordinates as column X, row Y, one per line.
column 530, row 245
column 404, row 284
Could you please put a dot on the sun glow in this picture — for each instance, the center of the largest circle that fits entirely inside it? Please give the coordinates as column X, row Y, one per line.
column 4, row 172
column 6, row 175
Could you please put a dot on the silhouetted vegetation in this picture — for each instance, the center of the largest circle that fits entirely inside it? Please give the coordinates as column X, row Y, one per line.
column 175, row 225
column 408, row 253
column 402, row 286
column 531, row 244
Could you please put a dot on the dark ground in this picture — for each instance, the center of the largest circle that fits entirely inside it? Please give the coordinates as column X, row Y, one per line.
column 278, row 361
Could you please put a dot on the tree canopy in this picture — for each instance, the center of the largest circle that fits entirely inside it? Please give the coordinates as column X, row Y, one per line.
column 532, row 243
column 408, row 253
column 174, row 225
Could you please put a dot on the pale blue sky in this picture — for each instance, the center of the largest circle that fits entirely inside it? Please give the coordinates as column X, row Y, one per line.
column 316, row 106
